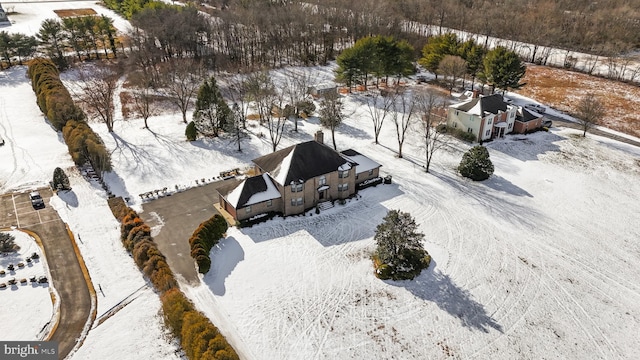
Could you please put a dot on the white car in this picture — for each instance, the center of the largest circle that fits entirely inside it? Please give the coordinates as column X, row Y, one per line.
column 537, row 108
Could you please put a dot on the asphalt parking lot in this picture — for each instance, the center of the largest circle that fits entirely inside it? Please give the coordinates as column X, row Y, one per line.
column 64, row 266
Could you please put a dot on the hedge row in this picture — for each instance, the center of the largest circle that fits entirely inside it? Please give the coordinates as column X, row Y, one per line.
column 136, row 238
column 55, row 102
column 206, row 236
column 199, row 338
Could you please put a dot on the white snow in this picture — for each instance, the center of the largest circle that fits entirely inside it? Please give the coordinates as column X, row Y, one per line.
column 364, row 163
column 280, row 174
column 269, row 194
column 345, row 166
column 539, row 261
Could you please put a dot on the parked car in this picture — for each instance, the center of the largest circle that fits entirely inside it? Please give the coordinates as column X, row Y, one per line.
column 36, row 200
column 537, row 108
column 547, row 123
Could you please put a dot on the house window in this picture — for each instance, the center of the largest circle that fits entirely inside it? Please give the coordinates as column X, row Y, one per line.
column 489, row 122
column 469, row 130
column 510, row 125
column 296, row 201
column 370, row 172
column 343, row 187
column 269, row 203
column 487, row 133
column 457, row 112
column 322, row 180
column 247, row 209
column 343, row 174
column 296, row 187
column 455, row 125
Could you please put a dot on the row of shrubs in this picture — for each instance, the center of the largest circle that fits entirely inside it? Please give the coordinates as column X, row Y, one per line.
column 206, row 236
column 457, row 133
column 199, row 338
column 55, row 102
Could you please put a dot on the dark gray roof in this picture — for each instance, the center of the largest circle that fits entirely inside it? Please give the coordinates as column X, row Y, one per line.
column 300, row 162
column 524, row 115
column 489, row 103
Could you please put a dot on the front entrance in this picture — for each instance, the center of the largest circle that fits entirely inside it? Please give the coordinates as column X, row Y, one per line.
column 321, row 194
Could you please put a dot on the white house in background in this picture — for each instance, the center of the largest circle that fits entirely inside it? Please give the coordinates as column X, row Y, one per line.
column 486, row 117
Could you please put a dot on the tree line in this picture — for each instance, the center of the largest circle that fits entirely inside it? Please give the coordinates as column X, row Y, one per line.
column 87, row 36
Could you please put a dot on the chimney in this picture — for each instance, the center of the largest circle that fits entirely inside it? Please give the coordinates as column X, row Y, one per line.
column 319, row 136
column 476, row 93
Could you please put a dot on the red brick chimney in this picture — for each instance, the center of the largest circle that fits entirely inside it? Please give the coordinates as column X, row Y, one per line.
column 319, row 136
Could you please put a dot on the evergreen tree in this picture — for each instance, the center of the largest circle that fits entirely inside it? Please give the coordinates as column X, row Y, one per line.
column 190, row 132
column 60, row 180
column 7, row 243
column 212, row 112
column 400, row 247
column 53, row 37
column 476, row 164
column 436, row 49
column 503, row 69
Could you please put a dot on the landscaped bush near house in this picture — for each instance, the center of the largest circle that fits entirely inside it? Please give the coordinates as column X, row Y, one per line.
column 191, row 132
column 118, row 207
column 60, row 180
column 457, row 133
column 206, row 236
column 476, row 164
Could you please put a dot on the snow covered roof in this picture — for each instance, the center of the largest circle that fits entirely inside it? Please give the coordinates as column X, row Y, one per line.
column 363, row 163
column 253, row 190
column 525, row 115
column 300, row 162
column 483, row 104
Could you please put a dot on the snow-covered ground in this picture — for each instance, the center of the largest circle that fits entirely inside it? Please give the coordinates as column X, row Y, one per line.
column 537, row 262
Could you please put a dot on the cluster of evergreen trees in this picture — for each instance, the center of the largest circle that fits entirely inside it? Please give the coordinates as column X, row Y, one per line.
column 128, row 8
column 379, row 56
column 206, row 236
column 16, row 45
column 55, row 102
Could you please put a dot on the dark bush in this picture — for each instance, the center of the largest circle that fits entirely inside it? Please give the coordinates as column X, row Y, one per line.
column 205, row 237
column 476, row 164
column 191, row 132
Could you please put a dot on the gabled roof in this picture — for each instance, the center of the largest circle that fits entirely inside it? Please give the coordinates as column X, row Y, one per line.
column 524, row 115
column 483, row 104
column 253, row 190
column 362, row 162
column 303, row 161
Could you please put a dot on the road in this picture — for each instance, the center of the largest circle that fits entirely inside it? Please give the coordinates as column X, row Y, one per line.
column 176, row 217
column 66, row 272
column 558, row 121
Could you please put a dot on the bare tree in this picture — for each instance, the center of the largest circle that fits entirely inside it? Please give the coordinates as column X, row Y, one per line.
column 270, row 105
column 403, row 113
column 295, row 89
column 431, row 110
column 235, row 127
column 142, row 96
column 275, row 122
column 379, row 105
column 96, row 91
column 589, row 111
column 182, row 81
column 235, row 89
column 452, row 68
column 332, row 114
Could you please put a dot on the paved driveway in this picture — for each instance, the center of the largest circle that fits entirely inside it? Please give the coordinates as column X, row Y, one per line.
column 66, row 273
column 176, row 217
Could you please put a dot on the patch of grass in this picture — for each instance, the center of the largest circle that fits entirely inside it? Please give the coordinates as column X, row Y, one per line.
column 562, row 89
column 63, row 13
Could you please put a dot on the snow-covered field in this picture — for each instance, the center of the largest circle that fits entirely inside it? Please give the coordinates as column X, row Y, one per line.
column 537, row 262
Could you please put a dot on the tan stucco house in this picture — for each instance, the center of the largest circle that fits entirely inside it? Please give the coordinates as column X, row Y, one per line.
column 295, row 179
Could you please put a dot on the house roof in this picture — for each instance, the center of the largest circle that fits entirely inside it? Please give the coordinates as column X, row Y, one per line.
column 524, row 115
column 362, row 162
column 483, row 104
column 302, row 161
column 253, row 190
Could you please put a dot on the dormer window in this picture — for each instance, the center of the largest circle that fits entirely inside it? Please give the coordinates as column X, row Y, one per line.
column 343, row 174
column 322, row 180
column 296, row 187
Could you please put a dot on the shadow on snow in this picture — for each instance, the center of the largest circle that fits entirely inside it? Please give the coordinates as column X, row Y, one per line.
column 224, row 258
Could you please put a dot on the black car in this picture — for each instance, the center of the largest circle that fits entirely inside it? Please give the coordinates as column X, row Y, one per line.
column 36, row 200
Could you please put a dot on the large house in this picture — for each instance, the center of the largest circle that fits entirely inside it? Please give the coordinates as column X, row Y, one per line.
column 489, row 117
column 298, row 178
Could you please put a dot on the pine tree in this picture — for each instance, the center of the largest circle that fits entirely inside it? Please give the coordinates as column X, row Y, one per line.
column 60, row 180
column 476, row 164
column 504, row 69
column 395, row 235
column 7, row 243
column 190, row 132
column 212, row 112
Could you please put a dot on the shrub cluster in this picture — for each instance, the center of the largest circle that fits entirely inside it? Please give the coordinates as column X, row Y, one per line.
column 199, row 338
column 457, row 133
column 136, row 238
column 476, row 164
column 55, row 102
column 204, row 238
